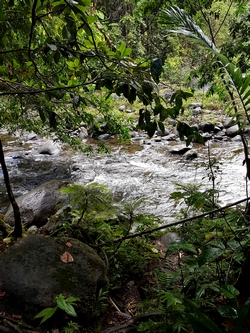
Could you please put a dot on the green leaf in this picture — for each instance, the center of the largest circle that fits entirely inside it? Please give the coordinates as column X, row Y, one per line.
column 61, row 303
column 229, row 291
column 127, row 52
column 170, row 298
column 91, row 19
column 161, row 126
column 200, row 292
column 242, row 316
column 57, row 56
column 147, row 117
column 151, row 128
column 147, row 87
column 198, row 319
column 238, row 77
column 72, row 299
column 184, row 130
column 70, row 310
column 2, row 17
column 46, row 314
column 86, row 3
column 209, row 254
column 122, row 49
column 227, row 312
column 247, row 94
column 76, row 62
column 182, row 245
column 245, row 85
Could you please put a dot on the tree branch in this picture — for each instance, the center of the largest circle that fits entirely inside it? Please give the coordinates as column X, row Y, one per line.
column 18, row 223
column 181, row 221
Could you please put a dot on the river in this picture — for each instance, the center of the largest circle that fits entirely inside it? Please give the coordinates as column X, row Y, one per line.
column 131, row 171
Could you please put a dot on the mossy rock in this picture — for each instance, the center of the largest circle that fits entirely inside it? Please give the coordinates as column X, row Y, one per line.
column 32, row 274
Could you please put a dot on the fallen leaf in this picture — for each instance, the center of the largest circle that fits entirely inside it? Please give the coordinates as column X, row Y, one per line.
column 2, row 293
column 66, row 257
column 68, row 244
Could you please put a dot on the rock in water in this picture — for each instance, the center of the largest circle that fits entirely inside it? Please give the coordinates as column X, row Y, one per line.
column 34, row 271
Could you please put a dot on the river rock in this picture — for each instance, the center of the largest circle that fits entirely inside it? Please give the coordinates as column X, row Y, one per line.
column 179, row 149
column 39, row 204
column 83, row 132
column 228, row 122
column 172, row 137
column 49, row 148
column 197, row 111
column 236, row 138
column 195, row 105
column 35, row 270
column 232, row 131
column 122, row 108
column 206, row 127
column 190, row 155
column 159, row 132
column 105, row 136
column 219, row 136
column 170, row 237
column 206, row 136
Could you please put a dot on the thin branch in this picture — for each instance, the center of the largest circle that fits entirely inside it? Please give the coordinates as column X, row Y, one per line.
column 182, row 221
column 18, row 222
column 39, row 91
column 208, row 22
column 132, row 322
column 225, row 16
column 14, row 50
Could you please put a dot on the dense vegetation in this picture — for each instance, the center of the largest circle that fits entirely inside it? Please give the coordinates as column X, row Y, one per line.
column 60, row 63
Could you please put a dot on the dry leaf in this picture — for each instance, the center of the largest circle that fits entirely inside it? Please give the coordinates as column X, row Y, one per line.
column 68, row 244
column 66, row 257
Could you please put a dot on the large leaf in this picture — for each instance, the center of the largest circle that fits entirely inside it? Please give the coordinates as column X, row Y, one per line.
column 66, row 305
column 229, row 291
column 46, row 314
column 209, row 254
column 182, row 245
column 198, row 319
column 242, row 316
column 227, row 312
column 246, row 83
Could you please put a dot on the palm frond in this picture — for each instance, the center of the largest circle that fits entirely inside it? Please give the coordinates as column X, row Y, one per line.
column 177, row 20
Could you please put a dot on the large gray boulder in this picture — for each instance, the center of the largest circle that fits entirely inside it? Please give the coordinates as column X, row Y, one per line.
column 232, row 131
column 49, row 148
column 33, row 273
column 39, row 204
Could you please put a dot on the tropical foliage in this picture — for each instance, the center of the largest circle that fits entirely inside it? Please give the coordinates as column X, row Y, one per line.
column 61, row 59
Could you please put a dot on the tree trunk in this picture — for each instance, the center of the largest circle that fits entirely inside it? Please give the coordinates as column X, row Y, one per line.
column 18, row 223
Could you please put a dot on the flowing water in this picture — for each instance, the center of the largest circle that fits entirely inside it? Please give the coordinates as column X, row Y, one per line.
column 131, row 171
